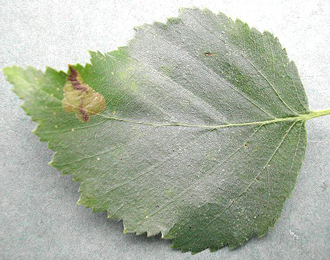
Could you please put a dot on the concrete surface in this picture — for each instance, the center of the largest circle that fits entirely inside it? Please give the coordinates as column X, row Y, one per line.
column 39, row 218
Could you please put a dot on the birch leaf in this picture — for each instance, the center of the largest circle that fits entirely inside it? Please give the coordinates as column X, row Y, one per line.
column 195, row 130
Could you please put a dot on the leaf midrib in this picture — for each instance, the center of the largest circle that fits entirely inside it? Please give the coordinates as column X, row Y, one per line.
column 302, row 117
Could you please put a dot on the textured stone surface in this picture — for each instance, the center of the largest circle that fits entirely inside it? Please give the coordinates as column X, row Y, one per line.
column 39, row 216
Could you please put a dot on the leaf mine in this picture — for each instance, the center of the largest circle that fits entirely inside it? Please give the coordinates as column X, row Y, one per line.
column 81, row 99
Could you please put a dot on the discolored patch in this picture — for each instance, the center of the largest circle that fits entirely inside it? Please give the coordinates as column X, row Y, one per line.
column 81, row 99
column 210, row 54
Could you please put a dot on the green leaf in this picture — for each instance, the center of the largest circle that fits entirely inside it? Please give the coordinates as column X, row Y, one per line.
column 201, row 138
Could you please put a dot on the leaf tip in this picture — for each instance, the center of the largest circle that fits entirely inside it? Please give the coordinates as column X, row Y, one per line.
column 8, row 71
column 5, row 70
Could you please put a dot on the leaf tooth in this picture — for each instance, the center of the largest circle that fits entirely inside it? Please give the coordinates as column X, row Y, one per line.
column 79, row 201
column 139, row 233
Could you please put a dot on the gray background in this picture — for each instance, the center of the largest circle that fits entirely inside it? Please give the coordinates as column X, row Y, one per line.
column 39, row 218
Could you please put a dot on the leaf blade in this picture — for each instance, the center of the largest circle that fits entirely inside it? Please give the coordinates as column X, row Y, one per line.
column 188, row 130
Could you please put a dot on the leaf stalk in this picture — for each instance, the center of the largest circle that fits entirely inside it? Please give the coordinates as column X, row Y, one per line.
column 317, row 113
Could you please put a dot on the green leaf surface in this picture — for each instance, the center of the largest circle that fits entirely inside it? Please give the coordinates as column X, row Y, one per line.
column 202, row 137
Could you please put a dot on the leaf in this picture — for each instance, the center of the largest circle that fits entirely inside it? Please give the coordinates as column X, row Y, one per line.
column 201, row 138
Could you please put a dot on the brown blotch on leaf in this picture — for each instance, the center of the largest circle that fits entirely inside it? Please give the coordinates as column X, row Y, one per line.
column 210, row 53
column 81, row 99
